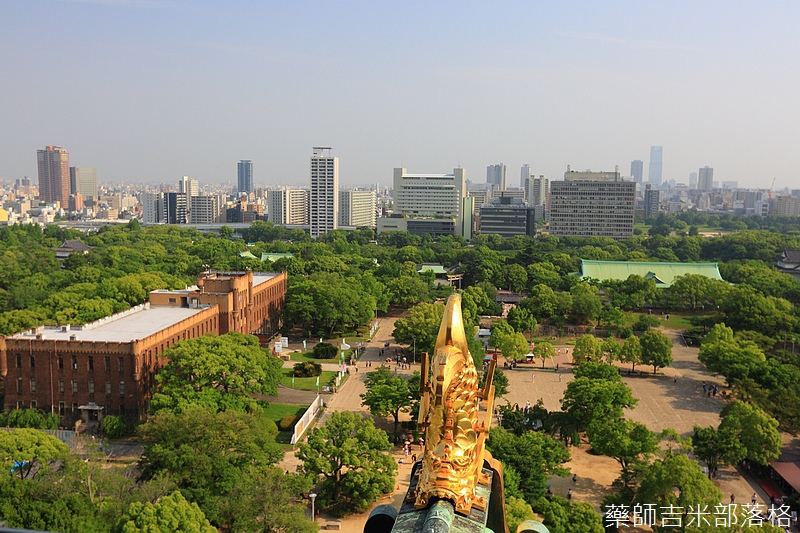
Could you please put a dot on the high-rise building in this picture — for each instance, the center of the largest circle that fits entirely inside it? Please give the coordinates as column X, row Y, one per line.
column 188, row 186
column 430, row 195
column 651, row 201
column 83, row 181
column 692, row 180
column 151, row 207
column 656, row 164
column 537, row 190
column 508, row 217
column 637, row 170
column 288, row 207
column 324, row 198
column 496, row 176
column 205, row 209
column 245, row 176
column 174, row 208
column 592, row 204
column 53, row 163
column 524, row 173
column 357, row 208
column 705, row 179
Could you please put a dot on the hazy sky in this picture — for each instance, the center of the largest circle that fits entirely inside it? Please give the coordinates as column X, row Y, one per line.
column 150, row 90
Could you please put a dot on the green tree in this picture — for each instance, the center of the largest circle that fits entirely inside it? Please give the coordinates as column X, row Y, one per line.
column 611, row 349
column 534, row 453
column 586, row 304
column 423, row 323
column 521, row 320
column 736, row 359
column 588, row 401
column 113, row 426
column 265, row 501
column 349, row 455
column 597, row 370
column 387, row 394
column 514, row 277
column 218, row 372
column 499, row 331
column 631, row 352
column 26, row 453
column 513, row 346
column 587, row 348
column 756, row 430
column 656, row 350
column 170, row 514
column 544, row 350
column 517, row 511
column 717, row 447
column 324, row 350
column 624, row 440
column 678, row 481
column 206, row 452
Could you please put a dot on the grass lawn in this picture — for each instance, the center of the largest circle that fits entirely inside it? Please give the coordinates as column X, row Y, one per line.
column 306, row 356
column 326, row 378
column 276, row 411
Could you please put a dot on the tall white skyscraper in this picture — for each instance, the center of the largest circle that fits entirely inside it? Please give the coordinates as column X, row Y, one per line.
column 524, row 174
column 324, row 197
column 496, row 176
column 537, row 190
column 705, row 179
column 188, row 186
column 656, row 165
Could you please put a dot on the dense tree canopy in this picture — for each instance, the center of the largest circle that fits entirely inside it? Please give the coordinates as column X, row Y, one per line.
column 218, row 372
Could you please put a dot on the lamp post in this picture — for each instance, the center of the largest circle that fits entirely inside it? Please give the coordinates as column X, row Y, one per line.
column 312, row 496
column 414, row 338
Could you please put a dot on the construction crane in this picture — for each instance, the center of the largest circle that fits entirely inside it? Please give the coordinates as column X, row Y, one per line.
column 770, row 188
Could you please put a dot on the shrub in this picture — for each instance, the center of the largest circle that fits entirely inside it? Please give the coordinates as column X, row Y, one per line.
column 29, row 418
column 623, row 332
column 307, row 369
column 287, row 422
column 645, row 322
column 113, row 427
column 324, row 350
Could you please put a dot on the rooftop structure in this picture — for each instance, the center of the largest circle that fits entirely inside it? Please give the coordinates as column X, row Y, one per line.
column 663, row 273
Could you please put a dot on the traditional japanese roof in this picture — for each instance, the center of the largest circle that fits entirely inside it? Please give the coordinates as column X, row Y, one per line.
column 663, row 273
column 791, row 256
column 247, row 254
column 432, row 267
column 274, row 256
column 75, row 245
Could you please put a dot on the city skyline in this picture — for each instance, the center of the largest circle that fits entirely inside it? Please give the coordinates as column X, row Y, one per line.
column 140, row 78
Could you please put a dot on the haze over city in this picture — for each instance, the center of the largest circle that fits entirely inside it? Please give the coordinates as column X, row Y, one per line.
column 150, row 90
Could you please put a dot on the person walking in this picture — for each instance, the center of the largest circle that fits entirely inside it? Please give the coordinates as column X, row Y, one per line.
column 574, row 478
column 733, row 498
column 754, row 499
column 569, row 494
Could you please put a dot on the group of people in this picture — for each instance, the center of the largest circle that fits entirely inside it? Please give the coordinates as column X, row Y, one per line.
column 709, row 390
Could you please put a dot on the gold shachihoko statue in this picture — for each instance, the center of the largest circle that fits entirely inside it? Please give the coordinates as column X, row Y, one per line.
column 449, row 414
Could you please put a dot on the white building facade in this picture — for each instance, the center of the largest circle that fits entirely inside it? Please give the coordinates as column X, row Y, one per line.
column 324, row 196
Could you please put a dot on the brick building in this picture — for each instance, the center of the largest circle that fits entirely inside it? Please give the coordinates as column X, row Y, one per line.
column 111, row 363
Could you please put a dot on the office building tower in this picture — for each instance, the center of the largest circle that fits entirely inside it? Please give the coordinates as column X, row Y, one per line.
column 430, row 195
column 357, row 208
column 651, row 201
column 705, row 179
column 288, row 207
column 496, row 176
column 188, row 186
column 245, row 176
column 592, row 204
column 637, row 170
column 151, row 207
column 53, row 164
column 324, row 197
column 692, row 180
column 654, row 174
column 524, row 173
column 83, row 181
column 508, row 217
